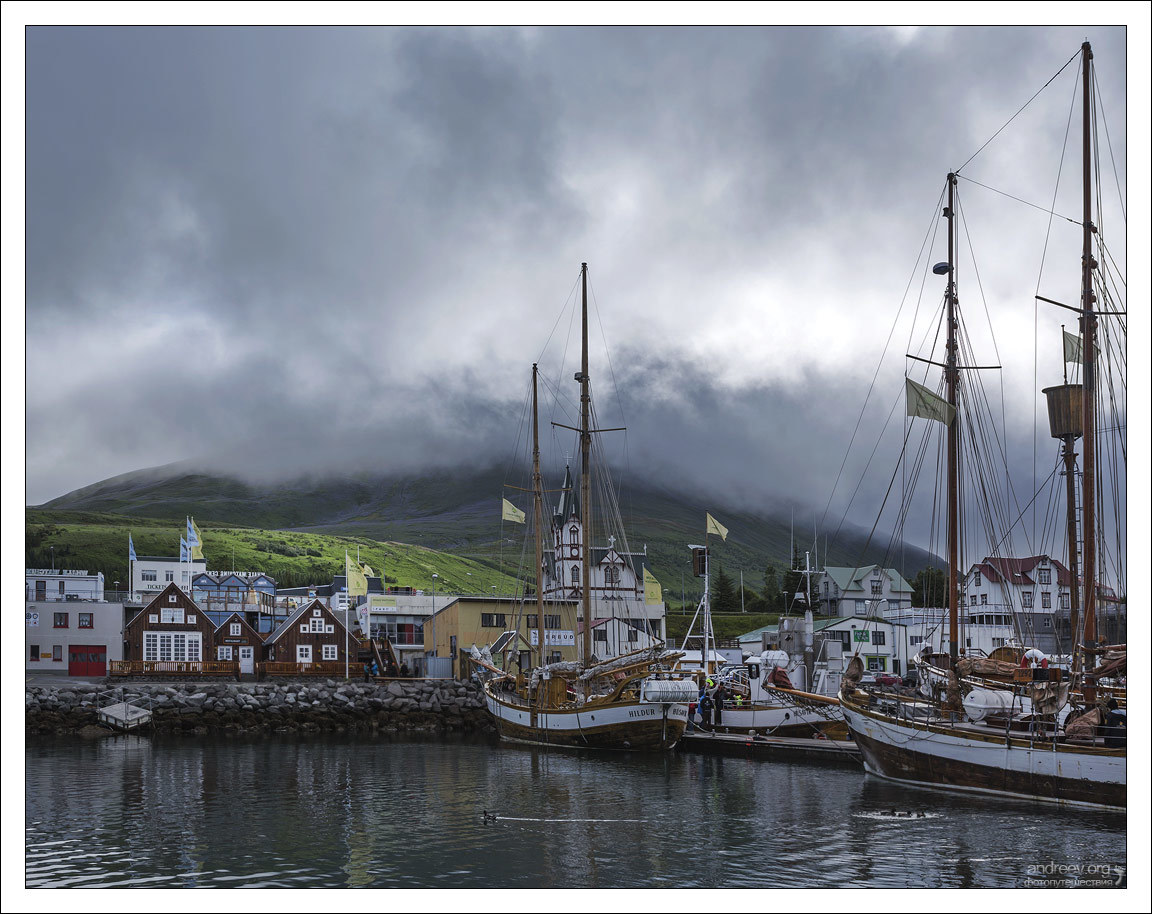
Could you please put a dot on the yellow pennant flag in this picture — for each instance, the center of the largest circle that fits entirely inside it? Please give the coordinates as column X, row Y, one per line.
column 714, row 526
column 926, row 404
column 1074, row 348
column 196, row 541
column 357, row 583
column 653, row 594
column 512, row 513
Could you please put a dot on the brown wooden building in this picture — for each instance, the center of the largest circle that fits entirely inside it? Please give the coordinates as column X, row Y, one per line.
column 170, row 629
column 313, row 635
column 236, row 640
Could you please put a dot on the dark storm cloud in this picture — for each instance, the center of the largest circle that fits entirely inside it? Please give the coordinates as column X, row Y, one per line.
column 295, row 249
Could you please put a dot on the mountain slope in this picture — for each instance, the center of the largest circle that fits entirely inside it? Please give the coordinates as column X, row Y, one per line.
column 459, row 512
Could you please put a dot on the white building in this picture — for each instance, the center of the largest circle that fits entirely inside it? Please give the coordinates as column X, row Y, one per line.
column 980, row 632
column 864, row 591
column 59, row 585
column 72, row 637
column 616, row 581
column 882, row 644
column 152, row 573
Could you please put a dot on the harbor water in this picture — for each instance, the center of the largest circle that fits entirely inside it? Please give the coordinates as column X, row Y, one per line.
column 294, row 811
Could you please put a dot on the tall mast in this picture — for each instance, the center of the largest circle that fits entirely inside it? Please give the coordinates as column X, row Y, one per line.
column 537, row 498
column 1088, row 321
column 585, row 458
column 950, row 381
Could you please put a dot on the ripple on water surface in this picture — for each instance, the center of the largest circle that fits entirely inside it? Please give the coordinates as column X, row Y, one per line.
column 137, row 811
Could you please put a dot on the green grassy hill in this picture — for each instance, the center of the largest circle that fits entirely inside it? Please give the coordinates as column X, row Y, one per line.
column 100, row 543
column 278, row 527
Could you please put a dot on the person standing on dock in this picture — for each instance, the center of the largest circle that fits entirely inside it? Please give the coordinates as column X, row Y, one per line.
column 706, row 711
column 718, row 699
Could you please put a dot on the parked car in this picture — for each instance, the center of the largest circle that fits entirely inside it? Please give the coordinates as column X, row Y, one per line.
column 888, row 679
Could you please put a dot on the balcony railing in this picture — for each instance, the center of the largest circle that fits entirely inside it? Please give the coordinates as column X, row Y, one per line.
column 319, row 668
column 173, row 668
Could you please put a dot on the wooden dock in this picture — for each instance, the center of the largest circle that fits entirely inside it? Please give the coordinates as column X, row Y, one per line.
column 772, row 748
column 124, row 716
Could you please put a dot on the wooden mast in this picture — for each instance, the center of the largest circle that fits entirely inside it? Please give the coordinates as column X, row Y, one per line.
column 585, row 481
column 1088, row 353
column 951, row 373
column 538, row 519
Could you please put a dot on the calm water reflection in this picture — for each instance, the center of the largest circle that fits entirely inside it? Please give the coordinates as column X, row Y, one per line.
column 145, row 811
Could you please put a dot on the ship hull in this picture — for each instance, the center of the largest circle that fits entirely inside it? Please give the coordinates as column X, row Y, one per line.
column 938, row 756
column 624, row 726
column 779, row 720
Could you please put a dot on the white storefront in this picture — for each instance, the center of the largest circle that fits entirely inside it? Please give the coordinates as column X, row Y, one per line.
column 152, row 573
column 60, row 585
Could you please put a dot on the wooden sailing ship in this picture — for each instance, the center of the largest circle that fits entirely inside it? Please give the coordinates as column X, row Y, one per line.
column 630, row 702
column 971, row 732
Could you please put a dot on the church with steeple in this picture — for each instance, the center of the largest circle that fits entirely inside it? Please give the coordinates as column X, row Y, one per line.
column 621, row 621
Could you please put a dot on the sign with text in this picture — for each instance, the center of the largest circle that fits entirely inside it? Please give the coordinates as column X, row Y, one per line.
column 559, row 638
column 32, row 619
column 378, row 604
column 862, row 635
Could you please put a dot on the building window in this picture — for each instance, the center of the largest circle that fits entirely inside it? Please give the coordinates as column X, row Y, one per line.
column 224, row 652
column 172, row 646
column 983, row 599
column 1045, row 575
column 878, row 637
column 861, row 607
column 316, row 625
column 612, row 574
column 59, row 620
column 972, row 600
column 234, row 628
column 877, row 664
column 172, row 616
column 1045, row 599
column 976, row 579
column 149, row 575
column 57, row 653
column 1026, row 598
column 877, row 587
column 168, row 576
column 574, row 534
column 84, row 620
column 33, row 651
column 599, row 634
column 303, row 653
column 575, row 575
column 1047, row 622
column 329, row 652
column 997, row 642
column 633, row 635
column 1064, row 602
column 493, row 620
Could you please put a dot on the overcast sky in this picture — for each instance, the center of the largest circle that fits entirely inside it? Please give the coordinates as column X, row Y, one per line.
column 275, row 250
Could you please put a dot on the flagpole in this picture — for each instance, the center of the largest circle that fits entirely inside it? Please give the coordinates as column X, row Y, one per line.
column 347, row 598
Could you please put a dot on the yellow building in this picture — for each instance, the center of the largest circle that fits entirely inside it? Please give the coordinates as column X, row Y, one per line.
column 465, row 621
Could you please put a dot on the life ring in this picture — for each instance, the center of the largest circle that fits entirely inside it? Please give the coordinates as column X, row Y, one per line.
column 1034, row 658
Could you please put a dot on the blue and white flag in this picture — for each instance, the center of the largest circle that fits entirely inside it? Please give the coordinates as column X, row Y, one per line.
column 183, row 549
column 131, row 549
column 194, row 542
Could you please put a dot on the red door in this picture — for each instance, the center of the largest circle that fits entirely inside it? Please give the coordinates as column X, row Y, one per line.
column 97, row 660
column 87, row 660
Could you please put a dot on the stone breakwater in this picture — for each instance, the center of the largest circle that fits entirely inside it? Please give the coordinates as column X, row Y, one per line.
column 327, row 705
